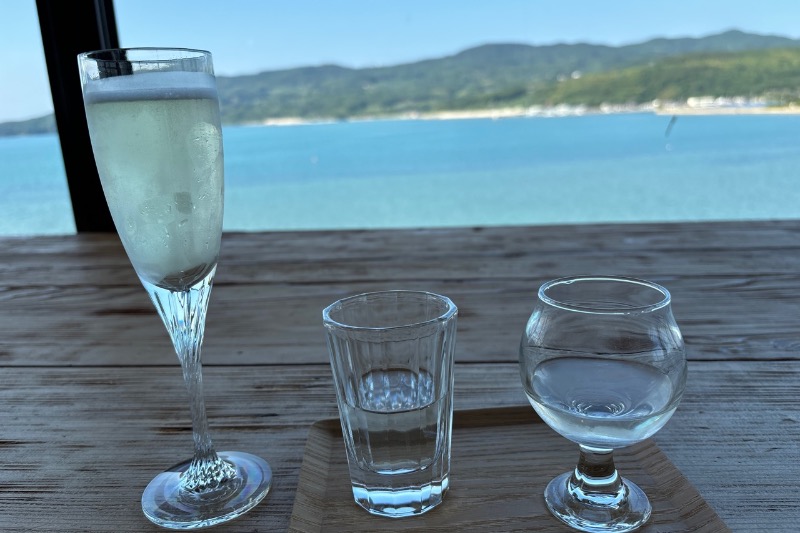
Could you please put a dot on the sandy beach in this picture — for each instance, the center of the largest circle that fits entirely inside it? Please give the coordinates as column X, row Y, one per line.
column 439, row 115
column 555, row 111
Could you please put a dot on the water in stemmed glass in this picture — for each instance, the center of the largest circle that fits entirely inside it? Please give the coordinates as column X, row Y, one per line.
column 153, row 117
column 602, row 362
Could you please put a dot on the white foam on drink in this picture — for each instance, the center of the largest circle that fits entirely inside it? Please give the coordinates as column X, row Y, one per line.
column 151, row 86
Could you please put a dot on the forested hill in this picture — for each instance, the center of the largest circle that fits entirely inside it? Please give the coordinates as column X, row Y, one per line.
column 773, row 74
column 487, row 76
column 497, row 75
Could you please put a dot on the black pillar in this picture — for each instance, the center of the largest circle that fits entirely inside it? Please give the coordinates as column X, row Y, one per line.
column 69, row 28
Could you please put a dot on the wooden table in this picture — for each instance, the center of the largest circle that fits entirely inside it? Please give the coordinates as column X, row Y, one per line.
column 93, row 404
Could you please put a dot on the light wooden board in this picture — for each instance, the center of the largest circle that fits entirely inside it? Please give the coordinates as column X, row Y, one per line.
column 501, row 461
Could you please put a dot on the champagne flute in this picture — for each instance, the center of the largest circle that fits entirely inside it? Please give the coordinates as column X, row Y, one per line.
column 603, row 363
column 153, row 117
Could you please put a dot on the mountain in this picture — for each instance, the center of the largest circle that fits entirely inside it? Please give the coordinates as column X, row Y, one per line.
column 481, row 77
column 771, row 73
column 45, row 124
column 495, row 75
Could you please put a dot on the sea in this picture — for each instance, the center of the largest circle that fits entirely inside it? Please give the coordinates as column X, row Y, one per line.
column 637, row 167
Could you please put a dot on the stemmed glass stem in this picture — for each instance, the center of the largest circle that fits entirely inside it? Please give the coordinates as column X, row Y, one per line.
column 595, row 479
column 594, row 497
column 183, row 313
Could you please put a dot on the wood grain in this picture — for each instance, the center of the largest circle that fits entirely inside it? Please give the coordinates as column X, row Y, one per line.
column 709, row 248
column 78, row 445
column 501, row 461
column 734, row 288
column 93, row 405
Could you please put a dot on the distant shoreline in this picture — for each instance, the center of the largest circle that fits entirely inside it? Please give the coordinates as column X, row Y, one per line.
column 687, row 110
column 558, row 111
column 520, row 112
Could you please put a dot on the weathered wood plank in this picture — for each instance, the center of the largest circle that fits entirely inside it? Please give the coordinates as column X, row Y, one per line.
column 765, row 234
column 644, row 250
column 78, row 445
column 750, row 317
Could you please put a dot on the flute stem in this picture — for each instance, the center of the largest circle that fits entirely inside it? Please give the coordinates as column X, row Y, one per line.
column 184, row 313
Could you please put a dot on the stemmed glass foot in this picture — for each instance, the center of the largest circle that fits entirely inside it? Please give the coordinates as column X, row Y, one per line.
column 168, row 502
column 593, row 513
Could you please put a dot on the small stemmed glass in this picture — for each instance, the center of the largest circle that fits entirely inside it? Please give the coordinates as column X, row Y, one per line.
column 602, row 362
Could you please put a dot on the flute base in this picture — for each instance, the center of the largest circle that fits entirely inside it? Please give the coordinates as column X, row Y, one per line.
column 168, row 505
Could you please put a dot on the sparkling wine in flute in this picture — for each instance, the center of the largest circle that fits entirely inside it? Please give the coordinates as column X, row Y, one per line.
column 158, row 146
column 154, row 123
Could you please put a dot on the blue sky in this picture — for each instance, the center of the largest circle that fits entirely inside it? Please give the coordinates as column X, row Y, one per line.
column 248, row 36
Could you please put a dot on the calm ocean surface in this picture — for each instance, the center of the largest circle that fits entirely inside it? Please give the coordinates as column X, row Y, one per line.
column 383, row 174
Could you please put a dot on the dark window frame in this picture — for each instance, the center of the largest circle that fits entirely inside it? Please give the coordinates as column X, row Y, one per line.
column 69, row 28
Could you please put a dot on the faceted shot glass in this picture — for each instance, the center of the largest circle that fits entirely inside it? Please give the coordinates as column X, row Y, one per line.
column 391, row 355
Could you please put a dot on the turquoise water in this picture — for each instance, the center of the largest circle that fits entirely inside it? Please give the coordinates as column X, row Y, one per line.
column 602, row 168
column 34, row 198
